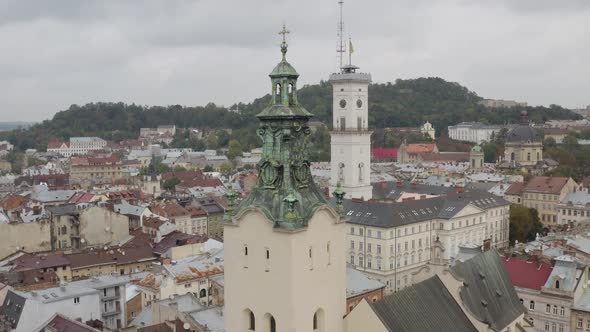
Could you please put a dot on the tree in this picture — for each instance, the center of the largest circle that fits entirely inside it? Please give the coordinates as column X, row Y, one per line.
column 549, row 142
column 524, row 223
column 212, row 142
column 208, row 168
column 570, row 142
column 171, row 183
column 234, row 150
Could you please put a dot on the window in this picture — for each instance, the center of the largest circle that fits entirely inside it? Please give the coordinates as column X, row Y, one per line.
column 580, row 323
column 368, row 247
column 351, row 230
column 273, row 325
column 76, row 300
column 532, row 305
column 351, row 244
column 557, row 284
column 588, row 324
column 555, row 310
column 369, row 233
column 378, row 234
column 548, row 308
column 562, row 311
column 378, row 249
column 560, row 327
column 352, row 260
column 245, row 250
column 546, row 326
column 252, row 321
column 369, row 262
column 360, row 231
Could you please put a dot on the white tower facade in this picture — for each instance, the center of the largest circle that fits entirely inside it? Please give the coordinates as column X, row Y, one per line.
column 350, row 137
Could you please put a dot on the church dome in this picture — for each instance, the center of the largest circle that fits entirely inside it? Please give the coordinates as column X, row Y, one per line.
column 523, row 133
column 284, row 69
column 476, row 149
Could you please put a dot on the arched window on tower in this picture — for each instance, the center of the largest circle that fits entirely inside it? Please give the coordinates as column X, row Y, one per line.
column 528, row 156
column 318, row 320
column 252, row 321
column 278, row 93
column 271, row 324
column 538, row 156
column 341, row 173
column 329, row 253
column 290, row 89
column 512, row 156
column 361, row 172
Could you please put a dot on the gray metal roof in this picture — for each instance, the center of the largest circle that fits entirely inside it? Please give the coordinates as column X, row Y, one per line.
column 409, row 212
column 393, row 190
column 425, row 306
column 488, row 292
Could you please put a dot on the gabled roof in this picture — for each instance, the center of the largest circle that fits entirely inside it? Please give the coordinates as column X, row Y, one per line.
column 515, row 189
column 527, row 274
column 61, row 323
column 425, row 306
column 487, row 290
column 546, row 184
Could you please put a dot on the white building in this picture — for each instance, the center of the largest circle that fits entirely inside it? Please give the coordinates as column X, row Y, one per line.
column 78, row 146
column 428, row 129
column 473, row 132
column 574, row 207
column 26, row 310
column 392, row 242
column 350, row 137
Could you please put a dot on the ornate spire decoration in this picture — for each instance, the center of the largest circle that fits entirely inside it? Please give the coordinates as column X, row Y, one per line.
column 284, row 191
column 339, row 195
column 230, row 196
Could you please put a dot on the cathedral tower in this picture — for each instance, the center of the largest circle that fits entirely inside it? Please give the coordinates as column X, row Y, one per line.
column 285, row 268
column 350, row 137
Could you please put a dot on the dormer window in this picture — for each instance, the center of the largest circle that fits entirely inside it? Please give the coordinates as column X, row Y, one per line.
column 556, row 284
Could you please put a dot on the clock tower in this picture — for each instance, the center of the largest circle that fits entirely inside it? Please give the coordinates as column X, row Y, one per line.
column 350, row 137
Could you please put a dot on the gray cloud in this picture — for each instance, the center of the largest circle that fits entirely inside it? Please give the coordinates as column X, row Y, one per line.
column 56, row 53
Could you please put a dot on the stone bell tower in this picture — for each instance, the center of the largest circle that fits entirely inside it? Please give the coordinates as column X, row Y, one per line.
column 285, row 268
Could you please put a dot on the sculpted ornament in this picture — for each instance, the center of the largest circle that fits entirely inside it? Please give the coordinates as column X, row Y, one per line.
column 301, row 173
column 269, row 174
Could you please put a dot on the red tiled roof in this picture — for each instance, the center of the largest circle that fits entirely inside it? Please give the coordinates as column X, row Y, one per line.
column 384, row 153
column 55, row 144
column 420, row 148
column 32, row 262
column 80, row 197
column 114, row 255
column 169, row 209
column 12, row 202
column 195, row 212
column 515, row 189
column 531, row 275
column 546, row 184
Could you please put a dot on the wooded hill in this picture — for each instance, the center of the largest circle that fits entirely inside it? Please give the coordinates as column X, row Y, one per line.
column 400, row 104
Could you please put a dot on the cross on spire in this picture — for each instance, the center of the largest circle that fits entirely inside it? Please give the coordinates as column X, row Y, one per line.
column 284, row 33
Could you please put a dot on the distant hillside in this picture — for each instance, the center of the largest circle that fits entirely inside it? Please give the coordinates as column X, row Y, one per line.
column 403, row 103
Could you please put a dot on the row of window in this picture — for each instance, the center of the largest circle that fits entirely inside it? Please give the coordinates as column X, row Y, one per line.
column 378, row 234
column 406, row 259
column 580, row 324
column 271, row 324
column 406, row 247
column 575, row 213
column 556, row 310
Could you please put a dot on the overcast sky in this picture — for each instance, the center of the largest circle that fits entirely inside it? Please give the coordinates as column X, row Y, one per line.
column 161, row 52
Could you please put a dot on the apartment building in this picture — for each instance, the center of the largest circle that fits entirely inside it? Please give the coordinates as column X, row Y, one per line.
column 545, row 194
column 392, row 242
column 84, row 170
column 575, row 207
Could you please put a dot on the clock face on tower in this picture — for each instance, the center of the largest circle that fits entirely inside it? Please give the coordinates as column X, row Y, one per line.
column 359, row 103
column 342, row 103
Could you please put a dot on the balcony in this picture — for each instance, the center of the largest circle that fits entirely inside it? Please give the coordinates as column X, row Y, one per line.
column 109, row 297
column 111, row 313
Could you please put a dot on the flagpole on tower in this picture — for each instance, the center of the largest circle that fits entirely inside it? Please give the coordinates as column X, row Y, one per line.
column 341, row 48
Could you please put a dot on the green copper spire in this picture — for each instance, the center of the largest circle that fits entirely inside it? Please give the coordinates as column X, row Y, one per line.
column 285, row 191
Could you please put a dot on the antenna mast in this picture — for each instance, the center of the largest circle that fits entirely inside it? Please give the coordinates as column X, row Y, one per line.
column 341, row 49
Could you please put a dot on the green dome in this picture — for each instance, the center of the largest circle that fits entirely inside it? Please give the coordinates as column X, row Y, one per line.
column 284, row 69
column 476, row 149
